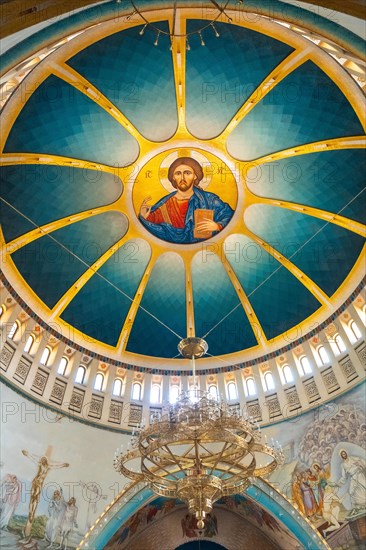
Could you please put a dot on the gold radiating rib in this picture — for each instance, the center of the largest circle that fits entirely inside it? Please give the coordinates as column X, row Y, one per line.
column 253, row 319
column 355, row 142
column 43, row 230
column 135, row 303
column 84, row 278
column 191, row 330
column 66, row 73
column 178, row 45
column 291, row 63
column 11, row 159
column 316, row 291
column 336, row 219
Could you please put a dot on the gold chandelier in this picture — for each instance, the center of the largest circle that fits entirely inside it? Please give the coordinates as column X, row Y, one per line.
column 199, row 450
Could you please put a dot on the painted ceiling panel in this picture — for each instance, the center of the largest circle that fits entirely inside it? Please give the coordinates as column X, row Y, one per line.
column 279, row 300
column 214, row 298
column 13, row 224
column 323, row 251
column 101, row 306
column 222, row 75
column 60, row 259
column 59, row 120
column 42, row 193
column 136, row 76
column 289, row 115
column 316, row 180
column 163, row 303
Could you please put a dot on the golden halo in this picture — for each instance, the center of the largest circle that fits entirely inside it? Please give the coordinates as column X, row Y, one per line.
column 167, row 161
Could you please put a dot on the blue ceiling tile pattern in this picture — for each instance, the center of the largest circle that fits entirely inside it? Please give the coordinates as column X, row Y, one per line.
column 216, row 303
column 136, row 77
column 51, row 264
column 100, row 308
column 323, row 251
column 326, row 180
column 13, row 224
column 222, row 75
column 278, row 299
column 163, row 305
column 42, row 194
column 289, row 115
column 60, row 120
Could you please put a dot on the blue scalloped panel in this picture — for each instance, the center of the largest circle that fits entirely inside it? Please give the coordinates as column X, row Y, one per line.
column 163, row 305
column 278, row 299
column 44, row 193
column 13, row 224
column 304, row 107
column 59, row 120
column 136, row 76
column 100, row 308
column 51, row 264
column 329, row 180
column 222, row 75
column 214, row 298
column 323, row 251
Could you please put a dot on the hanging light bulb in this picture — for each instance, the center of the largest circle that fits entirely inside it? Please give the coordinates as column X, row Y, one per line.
column 143, row 29
column 157, row 39
column 188, row 46
column 217, row 34
column 128, row 17
column 202, row 41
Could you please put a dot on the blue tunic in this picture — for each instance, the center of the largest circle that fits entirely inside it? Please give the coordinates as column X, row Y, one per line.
column 200, row 199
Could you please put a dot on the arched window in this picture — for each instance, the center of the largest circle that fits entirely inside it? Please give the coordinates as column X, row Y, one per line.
column 29, row 343
column 80, row 375
column 287, row 374
column 117, row 387
column 324, row 357
column 62, row 366
column 155, row 393
column 232, row 391
column 98, row 382
column 136, row 391
column 268, row 381
column 173, row 393
column 249, row 387
column 45, row 356
column 305, row 365
column 340, row 345
column 355, row 332
column 13, row 330
column 213, row 391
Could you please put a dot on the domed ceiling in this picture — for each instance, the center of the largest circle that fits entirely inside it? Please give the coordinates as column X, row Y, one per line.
column 275, row 125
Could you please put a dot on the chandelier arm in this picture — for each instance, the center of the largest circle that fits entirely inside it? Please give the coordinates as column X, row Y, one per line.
column 146, row 472
column 145, row 468
column 219, row 457
column 174, row 458
column 252, row 464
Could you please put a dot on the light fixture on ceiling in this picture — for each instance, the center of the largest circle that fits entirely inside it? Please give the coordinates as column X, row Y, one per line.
column 136, row 11
column 199, row 450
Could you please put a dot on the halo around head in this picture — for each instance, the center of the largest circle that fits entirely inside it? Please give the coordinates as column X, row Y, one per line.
column 167, row 161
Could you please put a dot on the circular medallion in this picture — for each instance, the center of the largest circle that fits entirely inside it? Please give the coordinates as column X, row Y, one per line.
column 185, row 196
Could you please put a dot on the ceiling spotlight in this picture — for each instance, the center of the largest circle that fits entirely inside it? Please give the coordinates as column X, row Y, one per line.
column 217, row 34
column 128, row 17
column 157, row 39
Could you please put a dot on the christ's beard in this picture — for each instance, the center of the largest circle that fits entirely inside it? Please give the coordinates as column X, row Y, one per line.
column 183, row 186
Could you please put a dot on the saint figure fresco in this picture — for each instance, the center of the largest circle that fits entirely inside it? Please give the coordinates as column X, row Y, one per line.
column 189, row 214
